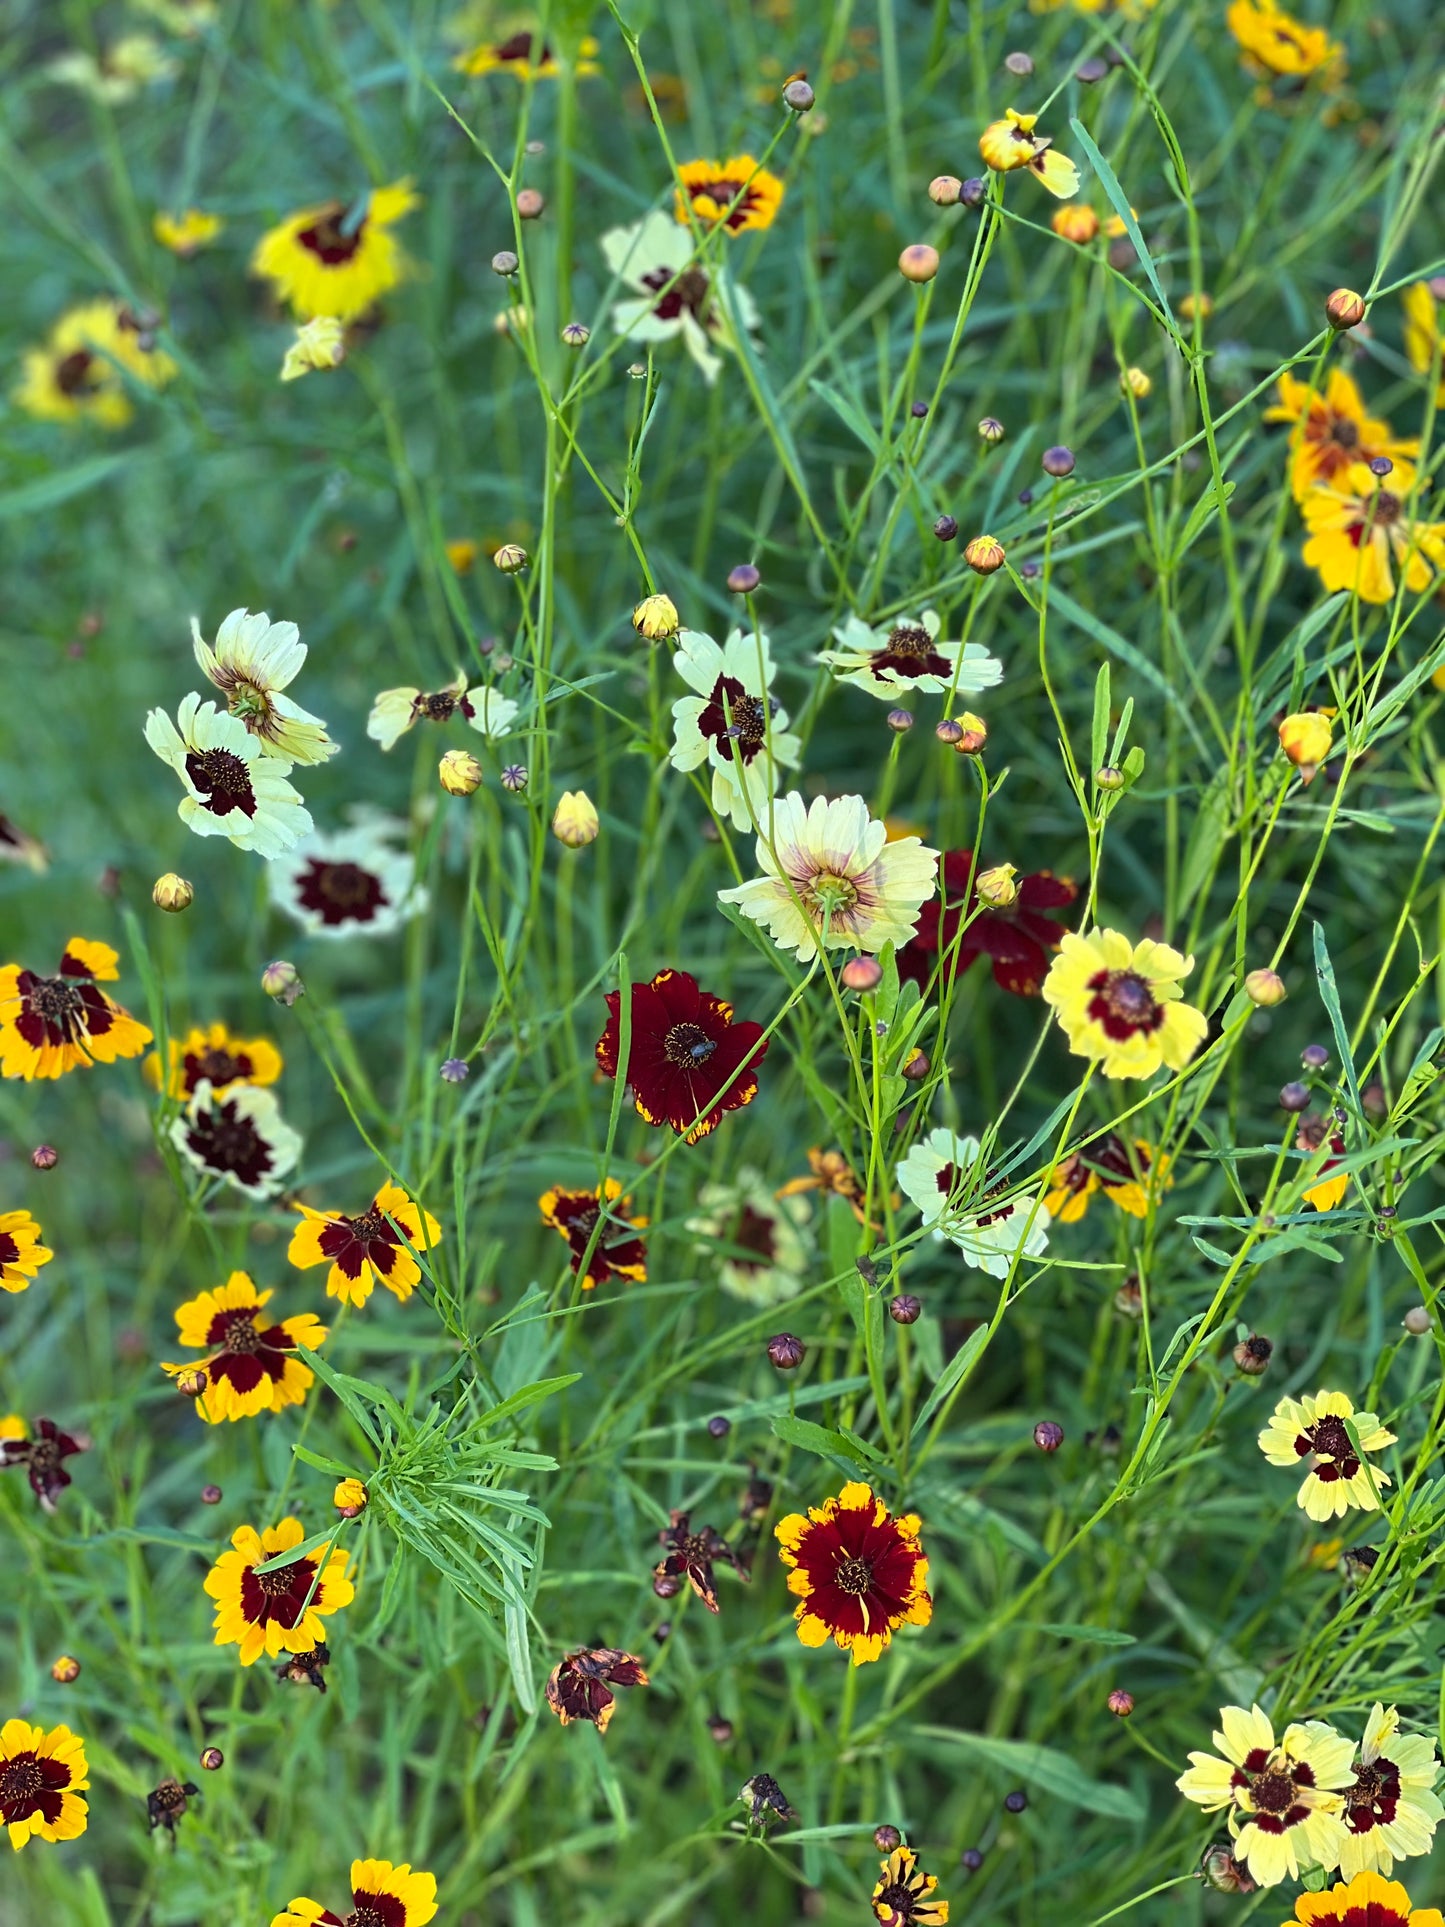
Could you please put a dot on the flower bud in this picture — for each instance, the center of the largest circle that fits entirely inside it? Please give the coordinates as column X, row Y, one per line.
column 991, row 429
column 666, row 1585
column 971, row 1859
column 1344, row 309
column 886, row 1839
column 1294, row 1097
column 576, row 334
column 948, row 731
column 1135, row 382
column 1265, row 988
column 1314, row 1057
column 744, row 579
column 719, row 1427
column 1306, row 739
column 1129, row 1299
column 1416, row 1321
column 905, row 1309
column 45, row 1157
column 350, row 1498
column 504, row 262
column 900, row 720
column 65, row 1671
column 945, row 528
column 1019, row 63
column 1120, row 1703
column 282, row 981
column 211, row 1495
column 511, row 558
column 997, row 886
column 1090, row 71
column 172, row 893
column 1252, row 1355
column 861, row 973
column 192, row 1384
column 1194, row 304
column 529, row 203
column 973, row 191
column 455, row 1070
column 975, row 734
column 918, row 262
column 984, row 554
column 1016, row 1801
column 1076, row 222
column 1107, row 777
column 1058, row 461
column 1223, row 1872
column 944, row 190
column 1380, row 466
column 656, row 619
column 798, row 96
column 916, row 1066
column 213, row 1759
column 1374, row 1100
column 575, row 821
column 786, row 1351
column 459, row 772
column 720, row 1729
column 514, row 777
column 1048, row 1435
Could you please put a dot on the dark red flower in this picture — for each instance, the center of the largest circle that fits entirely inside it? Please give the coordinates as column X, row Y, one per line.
column 574, row 1215
column 691, row 1555
column 684, row 1048
column 1017, row 941
column 580, row 1687
column 41, row 1456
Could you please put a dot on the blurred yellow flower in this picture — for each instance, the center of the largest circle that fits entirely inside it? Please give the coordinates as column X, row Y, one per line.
column 1424, row 333
column 524, row 56
column 1330, row 430
column 337, row 260
column 1274, row 42
column 77, row 375
column 320, row 343
column 736, row 193
column 1364, row 535
column 185, row 234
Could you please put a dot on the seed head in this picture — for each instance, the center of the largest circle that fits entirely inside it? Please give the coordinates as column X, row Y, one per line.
column 1265, row 988
column 945, row 528
column 991, row 429
column 65, row 1671
column 455, row 1070
column 997, row 886
column 637, row 371
column 1016, row 1801
column 1019, row 63
column 944, row 190
column 172, row 893
column 1108, row 777
column 1294, row 1097
column 45, row 1157
column 918, row 262
column 1135, row 382
column 1129, row 1299
column 459, row 772
column 1314, row 1057
column 900, row 720
column 786, row 1351
column 984, row 554
column 1058, row 461
column 885, row 1839
column 719, row 1427
column 576, row 334
column 575, row 821
column 905, row 1309
column 1223, row 1872
column 948, row 731
column 798, row 96
column 975, row 734
column 1048, row 1435
column 1252, row 1355
column 504, row 262
column 861, row 973
column 1120, row 1703
column 282, row 980
column 1344, row 309
column 530, row 203
column 211, row 1495
column 514, row 777
column 973, row 191
column 744, row 579
column 656, row 619
column 213, row 1759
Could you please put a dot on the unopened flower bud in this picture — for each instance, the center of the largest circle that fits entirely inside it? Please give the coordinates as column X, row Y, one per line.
column 656, row 619
column 861, row 973
column 1374, row 1100
column 1344, row 309
column 971, row 1859
column 719, row 1427
column 997, row 886
column 948, row 731
column 1314, row 1057
column 1252, row 1355
column 975, row 734
column 1294, row 1097
column 282, row 980
column 900, row 720
column 172, row 893
column 459, row 772
column 918, row 262
column 984, row 554
column 798, row 96
column 1090, row 71
column 1075, row 221
column 1201, row 304
column 886, row 1839
column 65, row 1671
column 192, row 1384
column 511, row 558
column 991, row 429
column 1416, row 1321
column 1107, row 777
column 944, row 190
column 786, row 1351
column 213, row 1759
column 916, row 1066
column 1019, row 63
column 1120, row 1703
column 945, row 528
column 576, row 334
column 514, row 777
column 1380, row 466
column 1058, row 461
column 455, row 1070
column 1129, row 1299
column 1048, row 1435
column 211, row 1495
column 1265, row 988
column 529, row 203
column 720, row 1729
column 1306, row 739
column 1016, row 1801
column 905, row 1309
column 350, row 1498
column 1135, row 382
column 575, row 821
column 1223, row 1872
column 45, row 1157
column 973, row 191
column 504, row 262
column 744, row 579
column 666, row 1585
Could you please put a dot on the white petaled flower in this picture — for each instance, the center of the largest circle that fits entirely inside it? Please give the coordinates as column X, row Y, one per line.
column 907, row 658
column 352, row 882
column 1391, row 1811
column 760, row 1246
column 943, row 1177
column 232, row 787
column 395, row 710
column 831, row 876
column 675, row 295
column 1284, row 1802
column 734, row 723
column 252, row 661
column 237, row 1136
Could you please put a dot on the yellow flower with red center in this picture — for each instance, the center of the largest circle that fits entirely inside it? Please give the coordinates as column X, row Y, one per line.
column 1012, row 143
column 525, row 56
column 858, row 1571
column 1121, row 1004
column 21, row 1252
column 376, row 1248
column 42, row 1776
column 736, row 194
column 1317, row 1430
column 77, row 376
column 382, row 1894
column 217, row 1055
column 186, row 234
column 1273, row 42
column 1368, row 1899
column 1129, row 1176
column 1424, row 334
column 252, row 1365
column 1283, row 1800
column 903, row 1896
column 1365, row 537
column 279, row 1611
column 49, row 1025
column 1330, row 431
column 335, row 259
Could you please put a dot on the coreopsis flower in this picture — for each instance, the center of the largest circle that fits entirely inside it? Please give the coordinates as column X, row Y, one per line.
column 525, row 56
column 1391, row 1811
column 756, row 1237
column 674, row 297
column 1128, row 1175
column 222, row 1059
column 830, row 1173
column 685, row 1047
column 1330, row 431
column 733, row 723
column 1332, row 1184
column 379, row 1247
column 81, row 373
column 317, row 345
column 337, row 260
column 1016, row 939
column 251, row 1365
column 1273, row 42
column 575, row 822
column 237, row 1136
column 831, row 878
column 350, row 1498
column 280, row 1611
column 21, row 1252
column 858, row 1571
column 574, row 1215
column 19, row 846
column 580, row 1686
column 903, row 1895
column 1012, row 143
column 1283, row 1800
column 381, row 1896
column 130, row 63
column 233, row 787
column 42, row 1776
column 1368, row 1900
column 186, row 234
column 352, row 882
column 50, row 1025
column 1077, row 224
column 43, row 1457
column 944, row 1176
column 1307, row 738
column 395, row 710
column 1120, row 1004
column 907, row 657
column 252, row 660
column 736, row 193
column 692, row 1555
column 1340, row 1474
column 1364, row 535
column 1424, row 333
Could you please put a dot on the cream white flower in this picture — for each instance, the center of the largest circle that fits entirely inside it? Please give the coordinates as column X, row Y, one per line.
column 352, row 882
column 253, row 660
column 485, row 708
column 943, row 1177
column 237, row 1136
column 733, row 723
column 319, row 343
column 908, row 657
column 675, row 295
column 1285, row 1808
column 829, row 868
column 746, row 1217
column 1391, row 1811
column 1313, row 1430
column 232, row 788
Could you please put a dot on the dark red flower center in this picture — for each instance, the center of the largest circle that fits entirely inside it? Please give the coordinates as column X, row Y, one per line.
column 1374, row 1799
column 854, row 1576
column 688, row 1044
column 1344, row 432
column 687, row 293
column 216, row 1066
column 909, row 652
column 9, row 1250
column 340, row 892
column 223, row 780
column 724, row 192
column 327, row 239
column 353, row 1242
column 45, row 1456
column 1123, row 1003
column 30, row 1784
column 20, row 1779
column 441, row 706
column 280, row 1595
column 243, row 1335
column 74, row 373
column 754, row 1231
column 1272, row 1792
column 1329, row 1440
column 57, row 1005
column 228, row 1142
column 736, row 721
column 518, row 46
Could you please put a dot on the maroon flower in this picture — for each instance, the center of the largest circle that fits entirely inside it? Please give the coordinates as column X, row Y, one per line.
column 691, row 1555
column 41, row 1456
column 684, row 1049
column 581, row 1684
column 574, row 1214
column 1017, row 941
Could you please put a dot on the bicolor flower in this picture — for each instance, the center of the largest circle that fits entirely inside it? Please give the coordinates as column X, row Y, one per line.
column 233, row 788
column 1330, row 431
column 251, row 1365
column 1128, row 1174
column 1424, row 333
column 907, row 658
column 1273, row 42
column 831, row 878
column 280, row 1611
column 381, row 1896
column 238, row 1137
column 43, row 1456
column 688, row 1060
column 858, row 1572
column 736, row 194
column 379, row 1247
column 956, row 926
column 252, row 660
column 1368, row 1900
column 993, row 1229
column 21, row 1252
column 81, row 373
column 756, row 1238
column 1391, row 1810
column 674, row 296
column 580, row 1686
column 573, row 1215
column 50, row 1025
column 1284, row 1801
column 352, row 882
column 1012, row 143
column 218, row 1057
column 1365, row 537
column 1120, row 1004
column 335, row 259
column 1340, row 1474
column 734, row 722
column 1331, row 1184
column 42, row 1776
column 525, row 56
column 903, row 1894
column 395, row 710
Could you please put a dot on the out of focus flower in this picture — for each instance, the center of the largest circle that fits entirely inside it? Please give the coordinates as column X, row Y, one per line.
column 238, row 1136
column 1424, row 336
column 760, row 1251
column 1391, row 1811
column 318, row 343
column 391, row 1896
column 335, row 259
column 351, row 882
column 575, row 822
column 858, row 1572
column 684, row 1048
column 1331, row 1185
column 378, row 1247
column 903, row 1893
column 50, row 1025
column 907, row 657
column 1077, row 224
column 830, row 1173
column 43, row 1457
column 280, row 1611
column 1283, row 1800
column 134, row 61
column 993, row 1229
column 234, row 788
column 252, row 661
column 1307, row 738
column 1120, row 1004
column 673, row 295
column 1274, row 43
column 1127, row 1175
column 395, row 710
column 80, row 375
column 42, row 1776
column 462, row 554
column 616, row 1253
column 733, row 722
column 252, row 1366
column 1016, row 939
column 186, row 234
column 736, row 193
column 18, row 846
column 525, row 56
column 21, row 1252
column 1340, row 1476
column 1330, row 431
column 580, row 1686
column 1365, row 535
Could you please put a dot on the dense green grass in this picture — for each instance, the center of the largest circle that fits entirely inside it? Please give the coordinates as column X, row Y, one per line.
column 1155, row 1551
